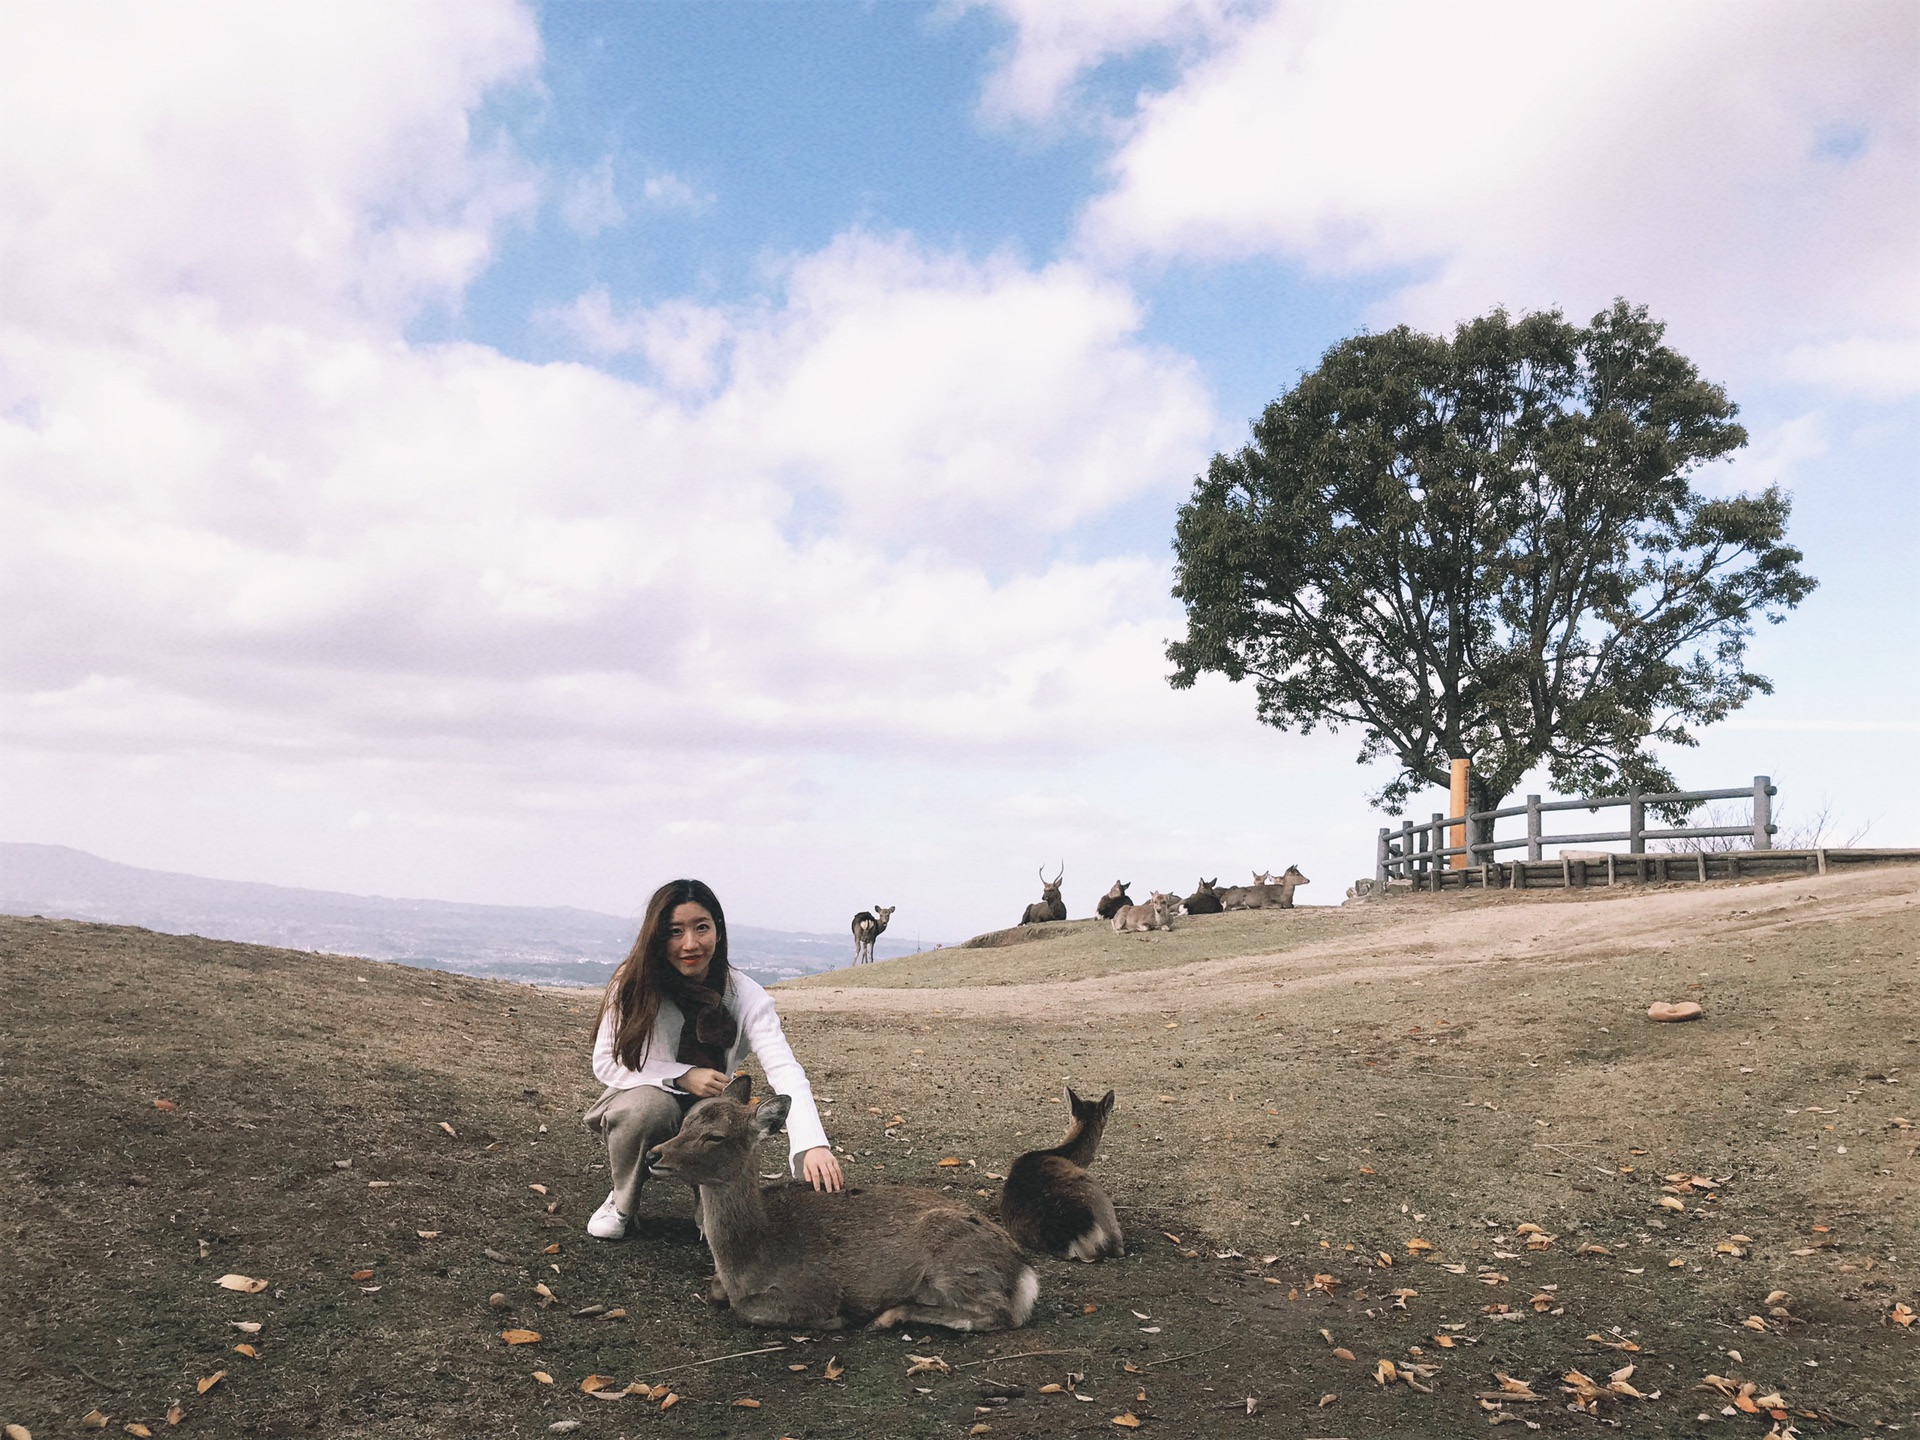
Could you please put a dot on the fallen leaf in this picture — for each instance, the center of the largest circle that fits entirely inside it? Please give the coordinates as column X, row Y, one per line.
column 1051, row 1389
column 596, row 1382
column 543, row 1377
column 1672, row 1202
column 538, row 1189
column 361, row 1275
column 1340, row 1352
column 520, row 1337
column 449, row 1129
column 1753, row 1322
column 246, row 1350
column 1385, row 1373
column 950, row 1161
column 1901, row 1315
column 176, row 1412
column 834, row 1369
column 94, row 1420
column 1326, row 1400
column 928, row 1364
column 1088, row 1308
column 671, row 1401
column 617, row 1313
column 134, row 1427
column 428, row 1234
column 1417, row 1246
column 1131, row 1421
column 553, row 1249
column 798, row 1365
column 981, row 1429
column 165, row 1105
column 564, row 1427
column 206, row 1384
column 1593, row 1250
column 746, row 1404
column 246, row 1327
column 245, row 1284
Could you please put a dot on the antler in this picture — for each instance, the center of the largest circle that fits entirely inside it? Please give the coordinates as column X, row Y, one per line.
column 1061, row 876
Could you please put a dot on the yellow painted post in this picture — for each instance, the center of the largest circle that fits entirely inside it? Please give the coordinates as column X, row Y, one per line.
column 1457, row 834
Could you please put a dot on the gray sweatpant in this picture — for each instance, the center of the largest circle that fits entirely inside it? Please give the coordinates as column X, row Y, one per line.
column 632, row 1122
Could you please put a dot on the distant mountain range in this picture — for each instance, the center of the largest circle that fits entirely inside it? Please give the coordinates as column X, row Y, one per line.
column 557, row 946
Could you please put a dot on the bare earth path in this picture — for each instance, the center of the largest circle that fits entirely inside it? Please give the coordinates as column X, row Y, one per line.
column 1302, row 1096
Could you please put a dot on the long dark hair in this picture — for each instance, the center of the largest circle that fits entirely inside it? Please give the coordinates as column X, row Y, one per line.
column 646, row 977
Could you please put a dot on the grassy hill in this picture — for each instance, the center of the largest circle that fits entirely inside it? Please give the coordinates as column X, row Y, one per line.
column 1301, row 1094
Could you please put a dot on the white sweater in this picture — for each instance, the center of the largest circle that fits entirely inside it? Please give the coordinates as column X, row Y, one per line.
column 760, row 1032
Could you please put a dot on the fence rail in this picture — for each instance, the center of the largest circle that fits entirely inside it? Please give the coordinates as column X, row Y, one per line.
column 1416, row 852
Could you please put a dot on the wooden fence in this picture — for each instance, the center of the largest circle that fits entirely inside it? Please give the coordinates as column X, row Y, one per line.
column 1420, row 855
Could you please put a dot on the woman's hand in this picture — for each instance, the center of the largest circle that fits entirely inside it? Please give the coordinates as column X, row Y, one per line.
column 702, row 1083
column 821, row 1170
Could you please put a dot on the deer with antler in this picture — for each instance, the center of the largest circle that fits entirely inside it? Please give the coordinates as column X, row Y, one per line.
column 1049, row 906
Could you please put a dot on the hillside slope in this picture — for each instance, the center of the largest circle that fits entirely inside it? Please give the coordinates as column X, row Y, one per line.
column 1351, row 1082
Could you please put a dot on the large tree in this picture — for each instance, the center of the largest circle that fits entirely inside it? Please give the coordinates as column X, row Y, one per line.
column 1489, row 547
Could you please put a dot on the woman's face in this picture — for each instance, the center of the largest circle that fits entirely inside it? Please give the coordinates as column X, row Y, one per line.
column 691, row 938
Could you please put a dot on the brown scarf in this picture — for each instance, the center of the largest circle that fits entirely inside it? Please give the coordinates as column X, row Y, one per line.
column 708, row 1028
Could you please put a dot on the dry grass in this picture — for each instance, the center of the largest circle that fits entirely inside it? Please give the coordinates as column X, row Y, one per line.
column 1314, row 1086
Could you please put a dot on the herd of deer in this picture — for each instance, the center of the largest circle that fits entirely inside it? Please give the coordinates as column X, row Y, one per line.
column 1267, row 892
column 791, row 1257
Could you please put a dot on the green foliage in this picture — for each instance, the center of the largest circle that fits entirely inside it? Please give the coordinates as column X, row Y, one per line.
column 1489, row 547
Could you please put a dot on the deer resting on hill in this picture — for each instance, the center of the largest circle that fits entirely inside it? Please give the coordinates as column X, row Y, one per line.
column 1268, row 891
column 1049, row 906
column 1050, row 1203
column 1113, row 900
column 868, row 926
column 793, row 1258
column 1156, row 914
column 1205, row 900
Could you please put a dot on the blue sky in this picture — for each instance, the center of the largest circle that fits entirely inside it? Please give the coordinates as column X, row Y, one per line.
column 521, row 453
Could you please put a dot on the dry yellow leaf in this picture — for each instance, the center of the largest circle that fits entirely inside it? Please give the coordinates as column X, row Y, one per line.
column 246, row 1350
column 428, row 1234
column 1326, row 1400
column 210, row 1381
column 1088, row 1308
column 1340, row 1352
column 538, row 1189
column 1529, row 1228
column 1385, row 1373
column 834, row 1369
column 1753, row 1322
column 94, row 1420
column 134, row 1427
column 361, row 1275
column 746, row 1404
column 1593, row 1250
column 1676, row 1264
column 1051, row 1389
column 449, row 1129
column 1672, row 1202
column 1417, row 1246
column 671, row 1401
column 543, row 1377
column 176, row 1412
column 520, row 1337
column 553, row 1249
column 165, row 1105
column 245, row 1284
column 596, row 1382
column 617, row 1313
column 798, row 1365
column 1128, row 1421
column 950, row 1161
column 981, row 1429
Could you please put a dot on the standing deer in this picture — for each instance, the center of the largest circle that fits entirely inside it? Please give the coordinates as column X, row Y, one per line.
column 1113, row 900
column 1205, row 900
column 868, row 926
column 794, row 1258
column 1051, row 1204
column 1156, row 914
column 1049, row 906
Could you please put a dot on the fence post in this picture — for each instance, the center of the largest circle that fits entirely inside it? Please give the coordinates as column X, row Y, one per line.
column 1762, row 813
column 1636, row 822
column 1380, row 861
column 1406, row 850
column 1533, row 827
column 1436, row 842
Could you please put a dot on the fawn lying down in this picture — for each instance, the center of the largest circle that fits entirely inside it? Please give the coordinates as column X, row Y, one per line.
column 1051, row 1204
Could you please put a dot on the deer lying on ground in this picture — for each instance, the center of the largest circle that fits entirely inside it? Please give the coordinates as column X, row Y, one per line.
column 794, row 1258
column 1205, row 900
column 1051, row 1204
column 1156, row 914
column 1113, row 900
column 1268, row 891
column 1049, row 906
column 868, row 926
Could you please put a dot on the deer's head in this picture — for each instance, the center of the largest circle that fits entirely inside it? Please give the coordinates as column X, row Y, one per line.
column 717, row 1137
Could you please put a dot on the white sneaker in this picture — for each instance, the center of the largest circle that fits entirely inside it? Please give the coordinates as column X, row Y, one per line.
column 608, row 1223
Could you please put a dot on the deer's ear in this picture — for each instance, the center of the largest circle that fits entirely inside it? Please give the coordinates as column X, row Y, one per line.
column 739, row 1089
column 1106, row 1101
column 770, row 1116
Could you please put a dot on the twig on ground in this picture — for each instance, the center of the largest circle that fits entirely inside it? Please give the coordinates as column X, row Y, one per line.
column 715, row 1360
column 1188, row 1356
column 1023, row 1355
column 87, row 1374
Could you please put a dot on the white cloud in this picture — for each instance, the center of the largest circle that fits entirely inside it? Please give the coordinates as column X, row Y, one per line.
column 270, row 560
column 664, row 190
column 1867, row 366
column 590, row 205
column 1749, row 170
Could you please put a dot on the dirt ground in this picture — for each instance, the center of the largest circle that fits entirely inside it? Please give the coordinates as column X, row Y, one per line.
column 1334, row 1130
